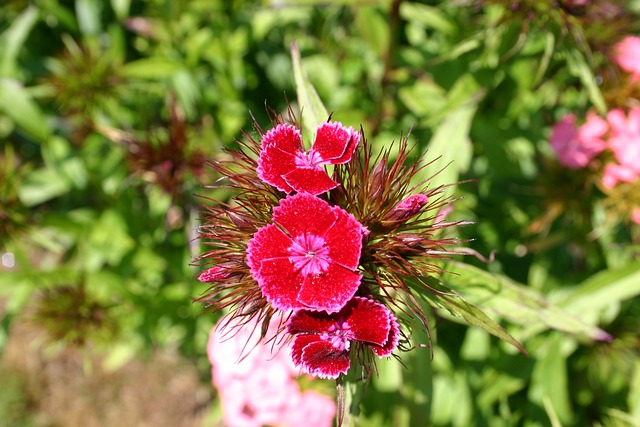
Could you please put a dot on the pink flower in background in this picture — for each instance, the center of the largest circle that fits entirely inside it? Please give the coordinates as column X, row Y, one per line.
column 615, row 173
column 627, row 55
column 635, row 215
column 577, row 146
column 255, row 380
column 284, row 164
column 308, row 257
column 624, row 139
column 322, row 342
column 311, row 409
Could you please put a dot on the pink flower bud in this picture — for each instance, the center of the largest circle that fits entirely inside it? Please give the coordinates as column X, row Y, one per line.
column 215, row 274
column 409, row 207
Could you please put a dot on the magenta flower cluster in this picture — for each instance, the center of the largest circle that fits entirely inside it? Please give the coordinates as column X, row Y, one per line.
column 613, row 141
column 329, row 252
column 307, row 259
column 609, row 145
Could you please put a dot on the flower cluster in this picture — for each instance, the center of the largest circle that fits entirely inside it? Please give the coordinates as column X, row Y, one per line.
column 331, row 236
column 610, row 144
column 258, row 388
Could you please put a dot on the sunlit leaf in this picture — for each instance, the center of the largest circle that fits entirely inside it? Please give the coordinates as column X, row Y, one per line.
column 578, row 65
column 450, row 143
column 89, row 16
column 17, row 104
column 43, row 185
column 457, row 306
column 13, row 39
column 313, row 110
column 516, row 303
column 150, row 68
column 549, row 385
column 429, row 16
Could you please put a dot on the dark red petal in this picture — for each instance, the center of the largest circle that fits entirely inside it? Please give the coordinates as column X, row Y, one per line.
column 307, row 180
column 268, row 242
column 320, row 358
column 280, row 284
column 273, row 163
column 335, row 143
column 330, row 290
column 368, row 320
column 310, row 322
column 304, row 213
column 298, row 344
column 392, row 339
column 344, row 239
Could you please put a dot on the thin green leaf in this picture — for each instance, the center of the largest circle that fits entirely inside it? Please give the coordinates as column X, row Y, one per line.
column 121, row 8
column 89, row 16
column 313, row 110
column 429, row 16
column 579, row 67
column 17, row 104
column 12, row 40
column 517, row 303
column 450, row 142
column 603, row 289
column 150, row 68
column 471, row 314
column 549, row 382
column 633, row 399
column 43, row 185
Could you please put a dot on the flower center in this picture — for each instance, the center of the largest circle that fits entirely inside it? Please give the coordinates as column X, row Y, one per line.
column 309, row 254
column 310, row 159
column 338, row 335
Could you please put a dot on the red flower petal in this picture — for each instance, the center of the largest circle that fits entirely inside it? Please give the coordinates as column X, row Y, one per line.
column 344, row 239
column 368, row 320
column 392, row 339
column 268, row 242
column 280, row 283
column 278, row 156
column 330, row 290
column 304, row 213
column 298, row 344
column 335, row 143
column 284, row 136
column 318, row 357
column 307, row 180
column 310, row 322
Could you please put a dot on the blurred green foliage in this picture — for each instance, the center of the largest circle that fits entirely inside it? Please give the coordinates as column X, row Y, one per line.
column 110, row 110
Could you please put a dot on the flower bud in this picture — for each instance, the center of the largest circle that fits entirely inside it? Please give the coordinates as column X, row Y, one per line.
column 215, row 273
column 408, row 208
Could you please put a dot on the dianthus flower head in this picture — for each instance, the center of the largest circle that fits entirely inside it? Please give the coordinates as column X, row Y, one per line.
column 322, row 342
column 340, row 251
column 285, row 164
